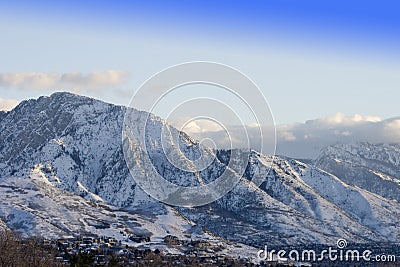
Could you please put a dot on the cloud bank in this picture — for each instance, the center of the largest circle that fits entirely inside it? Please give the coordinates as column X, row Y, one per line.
column 90, row 82
column 305, row 140
column 308, row 138
column 7, row 104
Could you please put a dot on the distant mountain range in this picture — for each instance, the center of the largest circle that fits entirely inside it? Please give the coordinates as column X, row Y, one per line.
column 63, row 172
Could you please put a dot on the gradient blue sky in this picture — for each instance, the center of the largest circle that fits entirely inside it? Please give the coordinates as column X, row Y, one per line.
column 310, row 58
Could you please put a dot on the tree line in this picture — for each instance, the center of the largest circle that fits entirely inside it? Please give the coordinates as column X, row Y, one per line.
column 25, row 252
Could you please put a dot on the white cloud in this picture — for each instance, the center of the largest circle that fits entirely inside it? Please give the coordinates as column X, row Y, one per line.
column 7, row 104
column 342, row 119
column 392, row 129
column 89, row 82
column 313, row 135
column 305, row 140
column 195, row 126
column 287, row 136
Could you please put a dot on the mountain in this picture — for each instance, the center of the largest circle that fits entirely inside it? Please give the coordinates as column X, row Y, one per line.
column 63, row 172
column 2, row 114
column 374, row 167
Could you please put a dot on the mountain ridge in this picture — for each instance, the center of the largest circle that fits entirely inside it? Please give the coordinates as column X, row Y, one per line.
column 74, row 144
column 359, row 164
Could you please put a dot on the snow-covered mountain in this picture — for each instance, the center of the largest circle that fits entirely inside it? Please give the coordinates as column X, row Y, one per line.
column 374, row 167
column 62, row 171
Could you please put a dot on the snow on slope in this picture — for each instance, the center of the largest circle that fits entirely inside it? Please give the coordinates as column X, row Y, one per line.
column 72, row 143
column 33, row 207
column 3, row 226
column 373, row 167
column 324, row 197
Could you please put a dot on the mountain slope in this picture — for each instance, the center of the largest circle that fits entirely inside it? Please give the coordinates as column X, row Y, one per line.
column 374, row 167
column 66, row 144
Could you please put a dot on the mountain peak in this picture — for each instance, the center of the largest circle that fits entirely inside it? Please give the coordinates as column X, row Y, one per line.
column 74, row 143
column 64, row 95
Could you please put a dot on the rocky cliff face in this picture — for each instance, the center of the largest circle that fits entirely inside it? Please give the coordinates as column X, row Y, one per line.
column 69, row 148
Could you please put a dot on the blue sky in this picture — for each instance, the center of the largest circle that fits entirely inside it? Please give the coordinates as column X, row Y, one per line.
column 310, row 58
